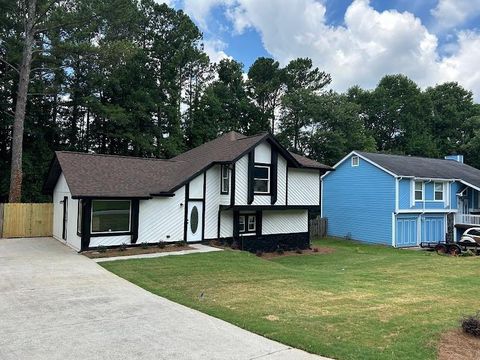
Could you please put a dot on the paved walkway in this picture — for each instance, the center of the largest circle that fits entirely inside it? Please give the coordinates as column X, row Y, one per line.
column 197, row 248
column 57, row 304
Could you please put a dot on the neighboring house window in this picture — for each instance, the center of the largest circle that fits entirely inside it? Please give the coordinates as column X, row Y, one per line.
column 438, row 191
column 225, row 179
column 355, row 161
column 418, row 190
column 79, row 218
column 261, row 179
column 247, row 223
column 110, row 216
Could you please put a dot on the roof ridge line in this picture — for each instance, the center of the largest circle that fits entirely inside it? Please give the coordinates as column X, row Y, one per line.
column 118, row 156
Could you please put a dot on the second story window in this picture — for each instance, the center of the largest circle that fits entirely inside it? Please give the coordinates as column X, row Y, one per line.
column 225, row 180
column 261, row 179
column 418, row 190
column 438, row 191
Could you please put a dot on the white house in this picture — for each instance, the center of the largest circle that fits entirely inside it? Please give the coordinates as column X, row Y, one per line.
column 248, row 189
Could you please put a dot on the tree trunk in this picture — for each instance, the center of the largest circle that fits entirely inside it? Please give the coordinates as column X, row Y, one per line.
column 20, row 107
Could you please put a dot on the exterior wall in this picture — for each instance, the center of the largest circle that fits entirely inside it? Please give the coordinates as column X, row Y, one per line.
column 281, row 181
column 241, row 181
column 161, row 219
column 196, row 187
column 284, row 221
column 110, row 240
column 226, row 224
column 61, row 190
column 406, row 200
column 303, row 187
column 359, row 202
column 263, row 155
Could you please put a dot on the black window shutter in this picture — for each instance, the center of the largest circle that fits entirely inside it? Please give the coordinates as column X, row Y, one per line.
column 236, row 215
column 134, row 220
column 251, row 168
column 273, row 176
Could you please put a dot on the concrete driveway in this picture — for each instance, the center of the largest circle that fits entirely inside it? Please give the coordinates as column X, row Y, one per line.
column 56, row 304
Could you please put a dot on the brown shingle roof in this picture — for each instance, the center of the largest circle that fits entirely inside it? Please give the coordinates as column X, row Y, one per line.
column 95, row 175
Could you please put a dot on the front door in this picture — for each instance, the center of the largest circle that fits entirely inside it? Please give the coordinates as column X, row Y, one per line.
column 65, row 218
column 194, row 221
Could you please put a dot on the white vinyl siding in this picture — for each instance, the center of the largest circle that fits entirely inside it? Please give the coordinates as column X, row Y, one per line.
column 196, row 187
column 61, row 189
column 263, row 153
column 226, row 224
column 109, row 240
column 303, row 187
column 162, row 218
column 284, row 221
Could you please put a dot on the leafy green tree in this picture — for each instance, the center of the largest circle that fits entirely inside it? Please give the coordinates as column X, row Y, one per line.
column 265, row 86
column 303, row 84
column 453, row 106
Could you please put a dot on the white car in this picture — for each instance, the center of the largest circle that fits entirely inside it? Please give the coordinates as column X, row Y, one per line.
column 471, row 235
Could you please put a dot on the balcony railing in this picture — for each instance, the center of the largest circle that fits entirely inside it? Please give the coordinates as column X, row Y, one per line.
column 467, row 219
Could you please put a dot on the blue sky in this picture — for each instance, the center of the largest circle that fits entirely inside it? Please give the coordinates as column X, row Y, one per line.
column 356, row 41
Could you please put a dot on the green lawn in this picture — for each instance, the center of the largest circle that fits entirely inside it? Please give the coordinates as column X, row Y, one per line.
column 360, row 302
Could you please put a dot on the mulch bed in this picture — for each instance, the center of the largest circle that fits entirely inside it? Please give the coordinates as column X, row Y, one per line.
column 456, row 345
column 320, row 250
column 138, row 250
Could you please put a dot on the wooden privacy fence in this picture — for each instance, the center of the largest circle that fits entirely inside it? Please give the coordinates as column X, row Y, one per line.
column 318, row 227
column 26, row 220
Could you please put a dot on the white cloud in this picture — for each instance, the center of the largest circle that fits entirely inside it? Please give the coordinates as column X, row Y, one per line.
column 369, row 45
column 215, row 50
column 452, row 13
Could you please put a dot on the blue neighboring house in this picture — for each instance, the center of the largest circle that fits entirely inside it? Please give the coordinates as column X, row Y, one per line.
column 400, row 200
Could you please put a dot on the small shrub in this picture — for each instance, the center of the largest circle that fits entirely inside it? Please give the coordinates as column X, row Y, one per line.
column 144, row 245
column 102, row 249
column 123, row 247
column 348, row 236
column 471, row 324
column 161, row 244
column 298, row 251
column 315, row 250
column 259, row 253
column 180, row 243
column 279, row 251
column 234, row 245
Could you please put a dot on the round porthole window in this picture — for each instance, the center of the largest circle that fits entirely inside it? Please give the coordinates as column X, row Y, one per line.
column 194, row 220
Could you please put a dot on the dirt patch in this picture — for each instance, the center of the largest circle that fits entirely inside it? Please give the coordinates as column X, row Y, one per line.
column 312, row 251
column 456, row 345
column 95, row 254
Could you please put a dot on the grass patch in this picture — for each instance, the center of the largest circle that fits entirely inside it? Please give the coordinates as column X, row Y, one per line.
column 358, row 302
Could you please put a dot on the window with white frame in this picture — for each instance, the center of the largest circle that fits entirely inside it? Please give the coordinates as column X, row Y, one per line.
column 247, row 224
column 110, row 216
column 418, row 190
column 261, row 179
column 438, row 191
column 355, row 161
column 225, row 181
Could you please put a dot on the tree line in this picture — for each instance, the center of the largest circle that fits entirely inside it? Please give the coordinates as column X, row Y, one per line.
column 132, row 78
